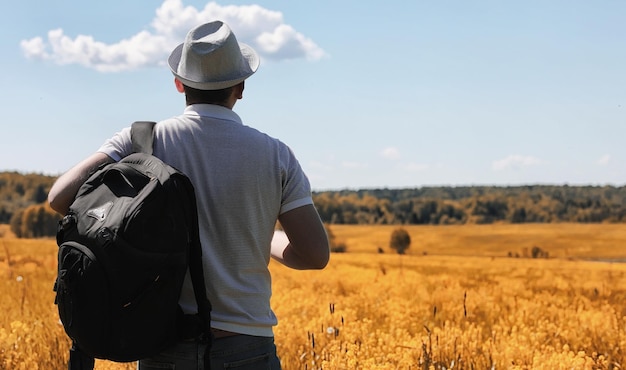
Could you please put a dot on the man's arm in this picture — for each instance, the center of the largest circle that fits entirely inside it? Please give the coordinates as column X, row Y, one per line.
column 308, row 247
column 64, row 190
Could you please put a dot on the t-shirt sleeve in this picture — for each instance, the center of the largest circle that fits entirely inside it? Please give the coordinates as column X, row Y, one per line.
column 118, row 146
column 296, row 186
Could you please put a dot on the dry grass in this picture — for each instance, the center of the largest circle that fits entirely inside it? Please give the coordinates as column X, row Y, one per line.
column 402, row 312
column 567, row 240
column 458, row 307
column 5, row 231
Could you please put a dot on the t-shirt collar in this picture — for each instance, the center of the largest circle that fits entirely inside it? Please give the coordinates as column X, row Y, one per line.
column 212, row 111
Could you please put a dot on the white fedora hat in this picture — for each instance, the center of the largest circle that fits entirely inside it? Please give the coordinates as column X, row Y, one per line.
column 212, row 59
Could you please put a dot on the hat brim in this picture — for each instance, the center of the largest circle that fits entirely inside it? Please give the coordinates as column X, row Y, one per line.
column 250, row 56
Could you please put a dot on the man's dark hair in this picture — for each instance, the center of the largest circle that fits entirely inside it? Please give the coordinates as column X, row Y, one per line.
column 196, row 96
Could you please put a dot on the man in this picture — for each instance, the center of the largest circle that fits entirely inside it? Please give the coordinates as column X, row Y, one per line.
column 245, row 181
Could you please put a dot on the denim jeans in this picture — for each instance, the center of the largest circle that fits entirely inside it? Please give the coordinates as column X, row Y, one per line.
column 240, row 352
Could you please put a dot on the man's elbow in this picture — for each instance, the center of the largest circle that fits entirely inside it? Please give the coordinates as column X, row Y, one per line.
column 320, row 260
column 56, row 203
column 321, row 264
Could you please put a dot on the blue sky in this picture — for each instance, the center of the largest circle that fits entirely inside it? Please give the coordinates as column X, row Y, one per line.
column 368, row 94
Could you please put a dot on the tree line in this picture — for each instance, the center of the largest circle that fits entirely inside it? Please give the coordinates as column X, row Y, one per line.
column 474, row 205
column 23, row 205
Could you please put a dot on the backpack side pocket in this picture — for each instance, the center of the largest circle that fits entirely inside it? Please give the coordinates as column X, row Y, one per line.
column 82, row 296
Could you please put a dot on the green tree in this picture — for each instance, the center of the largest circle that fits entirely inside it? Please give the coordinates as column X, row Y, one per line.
column 400, row 240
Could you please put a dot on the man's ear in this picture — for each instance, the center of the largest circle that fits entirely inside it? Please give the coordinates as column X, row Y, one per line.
column 239, row 90
column 179, row 85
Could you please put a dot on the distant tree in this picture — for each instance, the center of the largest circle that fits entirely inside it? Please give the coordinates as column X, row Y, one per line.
column 537, row 252
column 16, row 223
column 400, row 240
column 488, row 209
column 518, row 215
column 19, row 188
column 39, row 194
column 18, row 191
column 35, row 221
column 5, row 216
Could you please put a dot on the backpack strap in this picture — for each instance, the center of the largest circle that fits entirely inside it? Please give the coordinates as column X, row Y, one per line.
column 197, row 279
column 142, row 135
column 79, row 360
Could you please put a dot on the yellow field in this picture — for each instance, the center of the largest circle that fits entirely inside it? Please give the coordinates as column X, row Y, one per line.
column 462, row 305
column 606, row 241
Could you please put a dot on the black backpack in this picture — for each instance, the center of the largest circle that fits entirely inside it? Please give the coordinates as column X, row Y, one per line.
column 125, row 246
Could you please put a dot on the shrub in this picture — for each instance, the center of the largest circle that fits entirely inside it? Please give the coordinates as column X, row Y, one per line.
column 400, row 240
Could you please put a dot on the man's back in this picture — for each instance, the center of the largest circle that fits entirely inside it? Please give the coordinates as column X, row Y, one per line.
column 243, row 180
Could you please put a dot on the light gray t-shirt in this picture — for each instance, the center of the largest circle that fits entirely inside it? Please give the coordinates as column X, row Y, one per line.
column 243, row 180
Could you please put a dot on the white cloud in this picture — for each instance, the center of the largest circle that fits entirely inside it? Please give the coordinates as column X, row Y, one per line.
column 284, row 42
column 391, row 153
column 604, row 160
column 515, row 162
column 34, row 48
column 261, row 28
